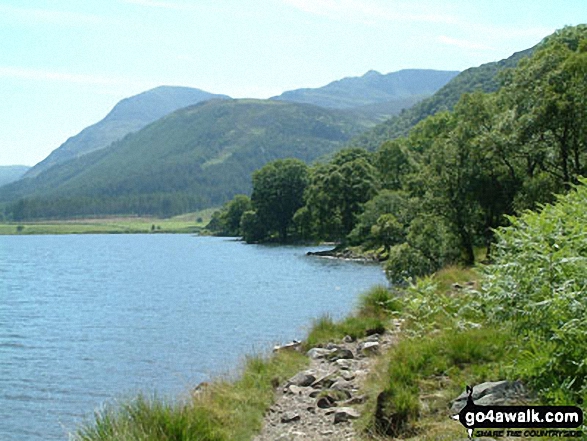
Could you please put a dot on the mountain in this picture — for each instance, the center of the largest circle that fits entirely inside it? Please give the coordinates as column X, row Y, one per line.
column 372, row 88
column 485, row 78
column 198, row 156
column 11, row 173
column 129, row 115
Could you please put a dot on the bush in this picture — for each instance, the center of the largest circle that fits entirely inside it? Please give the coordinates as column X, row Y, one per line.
column 538, row 283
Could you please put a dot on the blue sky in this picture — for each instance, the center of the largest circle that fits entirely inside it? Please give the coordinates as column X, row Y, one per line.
column 65, row 63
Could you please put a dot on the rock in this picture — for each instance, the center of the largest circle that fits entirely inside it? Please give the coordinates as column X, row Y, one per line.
column 347, row 375
column 345, row 414
column 292, row 389
column 293, row 346
column 373, row 337
column 344, row 364
column 370, row 347
column 355, row 400
column 497, row 393
column 316, row 353
column 348, row 339
column 326, row 402
column 341, row 353
column 315, row 393
column 290, row 417
column 302, row 379
column 342, row 385
column 324, row 382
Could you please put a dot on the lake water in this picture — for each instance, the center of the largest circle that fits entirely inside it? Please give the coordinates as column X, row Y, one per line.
column 87, row 319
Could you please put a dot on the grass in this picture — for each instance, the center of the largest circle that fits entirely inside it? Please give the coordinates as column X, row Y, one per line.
column 376, row 307
column 186, row 223
column 221, row 411
column 444, row 347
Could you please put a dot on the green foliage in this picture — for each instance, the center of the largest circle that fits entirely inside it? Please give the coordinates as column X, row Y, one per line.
column 375, row 308
column 227, row 220
column 251, row 228
column 278, row 192
column 485, row 78
column 197, row 157
column 338, row 190
column 141, row 419
column 538, row 284
column 221, row 411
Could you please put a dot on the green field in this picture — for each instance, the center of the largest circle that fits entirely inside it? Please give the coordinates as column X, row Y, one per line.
column 186, row 223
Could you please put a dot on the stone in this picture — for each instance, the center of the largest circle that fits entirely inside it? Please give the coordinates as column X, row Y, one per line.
column 360, row 399
column 290, row 417
column 324, row 382
column 342, row 385
column 316, row 353
column 348, row 339
column 496, row 393
column 344, row 414
column 292, row 389
column 373, row 337
column 347, row 375
column 293, row 346
column 341, row 353
column 325, row 402
column 302, row 379
column 370, row 347
column 344, row 364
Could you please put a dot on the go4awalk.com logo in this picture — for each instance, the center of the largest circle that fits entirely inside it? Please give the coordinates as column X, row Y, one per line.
column 518, row 421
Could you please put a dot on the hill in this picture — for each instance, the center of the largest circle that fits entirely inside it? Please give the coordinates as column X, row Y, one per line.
column 484, row 78
column 11, row 173
column 372, row 88
column 129, row 115
column 196, row 157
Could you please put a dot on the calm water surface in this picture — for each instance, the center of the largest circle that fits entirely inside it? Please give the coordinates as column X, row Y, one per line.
column 88, row 319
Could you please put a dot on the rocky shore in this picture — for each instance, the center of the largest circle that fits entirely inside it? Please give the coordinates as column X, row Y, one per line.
column 347, row 254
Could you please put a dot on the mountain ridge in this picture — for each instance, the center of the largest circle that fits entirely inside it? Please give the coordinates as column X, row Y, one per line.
column 127, row 116
column 371, row 88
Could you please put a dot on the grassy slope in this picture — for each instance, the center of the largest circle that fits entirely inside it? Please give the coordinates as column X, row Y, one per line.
column 186, row 223
column 208, row 151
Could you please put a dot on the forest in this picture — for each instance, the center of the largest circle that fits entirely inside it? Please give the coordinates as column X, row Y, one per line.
column 436, row 196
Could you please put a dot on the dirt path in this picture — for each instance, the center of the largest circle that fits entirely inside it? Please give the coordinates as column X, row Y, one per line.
column 320, row 402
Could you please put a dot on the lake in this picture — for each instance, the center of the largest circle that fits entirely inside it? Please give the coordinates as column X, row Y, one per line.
column 87, row 319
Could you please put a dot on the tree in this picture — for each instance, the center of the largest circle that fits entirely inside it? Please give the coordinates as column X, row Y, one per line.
column 234, row 212
column 278, row 192
column 338, row 190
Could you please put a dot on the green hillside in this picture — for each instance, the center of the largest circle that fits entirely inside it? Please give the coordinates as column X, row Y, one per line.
column 484, row 78
column 372, row 88
column 196, row 157
column 129, row 115
column 11, row 173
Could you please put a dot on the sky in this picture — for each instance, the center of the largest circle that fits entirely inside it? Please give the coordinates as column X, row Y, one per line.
column 64, row 64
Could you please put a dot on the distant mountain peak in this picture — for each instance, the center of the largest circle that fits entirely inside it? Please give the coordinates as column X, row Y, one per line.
column 371, row 73
column 127, row 116
column 372, row 88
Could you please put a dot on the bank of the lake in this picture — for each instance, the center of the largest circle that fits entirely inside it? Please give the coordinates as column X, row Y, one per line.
column 88, row 319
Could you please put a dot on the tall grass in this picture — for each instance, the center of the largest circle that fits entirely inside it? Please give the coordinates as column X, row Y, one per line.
column 223, row 410
column 376, row 306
